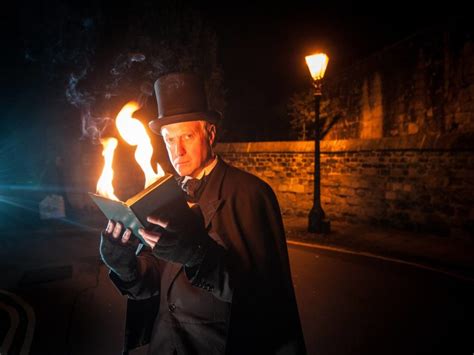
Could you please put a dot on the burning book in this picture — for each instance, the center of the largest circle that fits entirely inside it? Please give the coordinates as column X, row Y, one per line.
column 162, row 194
column 161, row 191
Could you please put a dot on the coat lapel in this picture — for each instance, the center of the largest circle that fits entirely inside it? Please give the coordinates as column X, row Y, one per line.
column 209, row 209
column 173, row 273
column 210, row 200
column 209, row 203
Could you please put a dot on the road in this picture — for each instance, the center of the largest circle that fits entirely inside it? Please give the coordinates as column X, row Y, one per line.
column 349, row 304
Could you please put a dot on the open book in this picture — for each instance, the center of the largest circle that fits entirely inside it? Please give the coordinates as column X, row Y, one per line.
column 163, row 194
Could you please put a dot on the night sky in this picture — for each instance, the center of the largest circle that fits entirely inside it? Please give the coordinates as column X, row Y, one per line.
column 261, row 50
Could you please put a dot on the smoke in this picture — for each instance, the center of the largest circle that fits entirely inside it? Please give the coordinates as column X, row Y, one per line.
column 137, row 57
column 120, row 82
column 146, row 90
column 74, row 96
column 92, row 126
column 146, row 51
column 124, row 71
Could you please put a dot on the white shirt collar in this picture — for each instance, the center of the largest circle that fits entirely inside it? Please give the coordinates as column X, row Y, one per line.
column 206, row 171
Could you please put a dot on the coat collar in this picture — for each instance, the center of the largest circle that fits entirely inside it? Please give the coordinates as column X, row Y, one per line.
column 209, row 203
column 210, row 200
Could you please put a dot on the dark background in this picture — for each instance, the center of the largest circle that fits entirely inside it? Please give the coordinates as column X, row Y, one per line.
column 261, row 51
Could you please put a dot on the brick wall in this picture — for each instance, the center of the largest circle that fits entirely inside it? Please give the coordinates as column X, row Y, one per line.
column 414, row 182
column 421, row 183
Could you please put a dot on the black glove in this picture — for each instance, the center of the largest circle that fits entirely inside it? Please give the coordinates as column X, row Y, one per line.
column 186, row 242
column 119, row 257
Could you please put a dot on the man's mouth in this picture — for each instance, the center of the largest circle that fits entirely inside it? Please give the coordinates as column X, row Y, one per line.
column 181, row 162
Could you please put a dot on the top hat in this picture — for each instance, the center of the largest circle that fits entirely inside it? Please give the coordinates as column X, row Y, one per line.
column 181, row 97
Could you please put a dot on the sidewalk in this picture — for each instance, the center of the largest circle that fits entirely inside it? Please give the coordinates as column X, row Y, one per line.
column 448, row 254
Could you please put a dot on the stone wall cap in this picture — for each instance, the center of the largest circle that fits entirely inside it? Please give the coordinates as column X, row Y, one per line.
column 444, row 142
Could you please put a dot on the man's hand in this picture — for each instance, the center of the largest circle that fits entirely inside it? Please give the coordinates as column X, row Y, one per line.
column 185, row 243
column 152, row 237
column 117, row 250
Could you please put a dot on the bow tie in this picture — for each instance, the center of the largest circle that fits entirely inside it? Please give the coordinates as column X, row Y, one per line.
column 192, row 187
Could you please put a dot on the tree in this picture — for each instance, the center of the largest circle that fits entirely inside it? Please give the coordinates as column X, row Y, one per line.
column 301, row 113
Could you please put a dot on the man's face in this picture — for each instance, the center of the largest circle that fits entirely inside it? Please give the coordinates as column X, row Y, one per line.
column 189, row 147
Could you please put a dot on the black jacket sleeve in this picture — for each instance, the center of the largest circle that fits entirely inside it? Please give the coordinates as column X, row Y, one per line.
column 147, row 284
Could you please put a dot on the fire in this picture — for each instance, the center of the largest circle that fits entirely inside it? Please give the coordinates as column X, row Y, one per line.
column 104, row 185
column 134, row 133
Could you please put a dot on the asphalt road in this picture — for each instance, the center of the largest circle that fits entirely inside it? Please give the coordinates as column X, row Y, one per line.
column 56, row 299
column 352, row 304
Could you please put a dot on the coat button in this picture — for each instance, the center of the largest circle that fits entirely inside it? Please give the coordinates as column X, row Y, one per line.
column 172, row 307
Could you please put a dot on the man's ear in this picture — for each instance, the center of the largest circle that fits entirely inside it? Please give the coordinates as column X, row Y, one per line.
column 212, row 134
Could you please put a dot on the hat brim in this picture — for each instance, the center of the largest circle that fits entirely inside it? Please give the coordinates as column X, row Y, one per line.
column 209, row 116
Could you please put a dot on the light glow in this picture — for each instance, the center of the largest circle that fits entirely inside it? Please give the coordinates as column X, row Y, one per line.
column 317, row 64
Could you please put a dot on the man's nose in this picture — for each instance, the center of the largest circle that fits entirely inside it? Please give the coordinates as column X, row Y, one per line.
column 179, row 149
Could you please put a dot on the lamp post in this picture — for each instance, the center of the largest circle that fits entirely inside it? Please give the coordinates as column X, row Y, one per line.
column 317, row 222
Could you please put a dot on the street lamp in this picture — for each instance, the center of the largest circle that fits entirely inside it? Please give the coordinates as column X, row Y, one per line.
column 317, row 223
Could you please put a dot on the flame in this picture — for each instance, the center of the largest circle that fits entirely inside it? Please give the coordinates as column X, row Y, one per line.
column 104, row 185
column 134, row 133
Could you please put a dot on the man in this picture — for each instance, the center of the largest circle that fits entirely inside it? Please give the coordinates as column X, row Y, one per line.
column 219, row 270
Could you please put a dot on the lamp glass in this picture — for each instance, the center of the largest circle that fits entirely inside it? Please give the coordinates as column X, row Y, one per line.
column 317, row 64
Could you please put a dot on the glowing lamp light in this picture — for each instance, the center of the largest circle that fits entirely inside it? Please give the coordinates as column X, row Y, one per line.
column 317, row 64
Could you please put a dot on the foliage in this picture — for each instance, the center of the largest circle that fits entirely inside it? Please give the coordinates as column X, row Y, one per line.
column 301, row 113
column 302, row 118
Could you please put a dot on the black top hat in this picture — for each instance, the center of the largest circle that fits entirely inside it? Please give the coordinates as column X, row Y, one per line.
column 181, row 97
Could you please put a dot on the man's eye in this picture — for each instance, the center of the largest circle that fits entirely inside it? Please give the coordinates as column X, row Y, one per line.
column 188, row 136
column 169, row 141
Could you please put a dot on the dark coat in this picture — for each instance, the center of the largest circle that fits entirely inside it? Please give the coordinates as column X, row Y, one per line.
column 241, row 301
